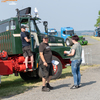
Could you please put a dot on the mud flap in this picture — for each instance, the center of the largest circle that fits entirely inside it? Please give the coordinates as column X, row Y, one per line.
column 6, row 67
column 0, row 79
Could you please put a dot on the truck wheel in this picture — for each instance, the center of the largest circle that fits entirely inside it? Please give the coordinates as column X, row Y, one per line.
column 4, row 58
column 57, row 68
column 69, row 42
column 29, row 75
column 4, row 55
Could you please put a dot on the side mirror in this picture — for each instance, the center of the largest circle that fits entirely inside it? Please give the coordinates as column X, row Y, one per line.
column 45, row 23
column 71, row 34
column 63, row 32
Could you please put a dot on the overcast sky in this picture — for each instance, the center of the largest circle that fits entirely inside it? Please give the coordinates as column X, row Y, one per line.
column 79, row 14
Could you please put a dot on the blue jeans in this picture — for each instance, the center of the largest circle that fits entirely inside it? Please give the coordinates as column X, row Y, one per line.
column 75, row 66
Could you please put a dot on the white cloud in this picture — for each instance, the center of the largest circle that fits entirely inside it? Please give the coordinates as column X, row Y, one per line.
column 12, row 3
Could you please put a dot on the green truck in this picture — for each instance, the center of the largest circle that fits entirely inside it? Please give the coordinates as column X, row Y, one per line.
column 11, row 58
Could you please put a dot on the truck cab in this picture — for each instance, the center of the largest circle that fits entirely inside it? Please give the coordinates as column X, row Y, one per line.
column 66, row 32
column 52, row 32
column 11, row 58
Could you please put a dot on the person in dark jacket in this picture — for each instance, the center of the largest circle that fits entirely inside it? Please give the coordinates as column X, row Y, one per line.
column 26, row 48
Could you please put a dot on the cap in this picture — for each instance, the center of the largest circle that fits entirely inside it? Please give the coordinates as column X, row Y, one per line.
column 23, row 27
column 45, row 36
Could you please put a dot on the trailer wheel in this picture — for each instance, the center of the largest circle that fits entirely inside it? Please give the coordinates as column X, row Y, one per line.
column 69, row 42
column 29, row 75
column 57, row 68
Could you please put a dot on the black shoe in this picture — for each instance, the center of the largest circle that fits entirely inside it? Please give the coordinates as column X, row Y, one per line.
column 26, row 69
column 74, row 87
column 48, row 86
column 45, row 89
column 79, row 85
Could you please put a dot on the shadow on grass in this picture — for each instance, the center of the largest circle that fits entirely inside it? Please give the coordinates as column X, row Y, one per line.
column 16, row 86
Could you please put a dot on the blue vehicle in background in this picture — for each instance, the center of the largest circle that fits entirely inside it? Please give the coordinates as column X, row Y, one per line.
column 97, row 32
column 66, row 34
column 52, row 31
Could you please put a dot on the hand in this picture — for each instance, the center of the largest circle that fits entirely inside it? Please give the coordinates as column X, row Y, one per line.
column 45, row 64
column 65, row 52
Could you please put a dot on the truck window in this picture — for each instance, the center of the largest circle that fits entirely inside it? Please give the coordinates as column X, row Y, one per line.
column 52, row 33
column 98, row 29
column 40, row 25
column 69, row 32
column 12, row 25
column 4, row 27
column 25, row 23
column 32, row 26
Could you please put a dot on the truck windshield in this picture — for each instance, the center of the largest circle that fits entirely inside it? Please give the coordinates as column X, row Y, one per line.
column 98, row 29
column 25, row 23
column 68, row 32
column 32, row 25
column 52, row 33
column 40, row 26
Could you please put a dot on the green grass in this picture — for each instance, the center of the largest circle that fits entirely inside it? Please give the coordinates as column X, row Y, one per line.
column 12, row 85
column 66, row 72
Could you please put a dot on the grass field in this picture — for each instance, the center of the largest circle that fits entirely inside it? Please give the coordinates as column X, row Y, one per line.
column 12, row 85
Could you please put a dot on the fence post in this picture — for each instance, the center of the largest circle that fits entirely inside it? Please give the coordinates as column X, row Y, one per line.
column 83, row 57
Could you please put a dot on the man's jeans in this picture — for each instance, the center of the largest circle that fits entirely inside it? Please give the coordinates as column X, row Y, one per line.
column 75, row 66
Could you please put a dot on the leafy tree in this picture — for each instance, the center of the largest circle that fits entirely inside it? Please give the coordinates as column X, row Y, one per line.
column 99, row 12
column 98, row 20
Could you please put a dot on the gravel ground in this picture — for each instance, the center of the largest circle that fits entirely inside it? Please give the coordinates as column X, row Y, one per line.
column 88, row 91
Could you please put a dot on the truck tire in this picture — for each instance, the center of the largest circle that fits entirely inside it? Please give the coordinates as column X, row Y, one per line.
column 29, row 75
column 69, row 42
column 57, row 69
column 4, row 58
column 4, row 55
